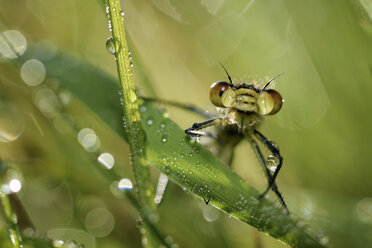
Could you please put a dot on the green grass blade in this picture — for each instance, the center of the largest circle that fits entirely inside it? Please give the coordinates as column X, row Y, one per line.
column 132, row 120
column 11, row 220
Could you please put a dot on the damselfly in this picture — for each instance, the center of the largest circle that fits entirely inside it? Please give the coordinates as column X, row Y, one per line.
column 242, row 108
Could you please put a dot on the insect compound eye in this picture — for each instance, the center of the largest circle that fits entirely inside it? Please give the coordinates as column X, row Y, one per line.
column 216, row 93
column 269, row 102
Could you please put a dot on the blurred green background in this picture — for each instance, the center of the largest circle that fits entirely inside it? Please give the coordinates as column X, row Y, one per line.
column 324, row 49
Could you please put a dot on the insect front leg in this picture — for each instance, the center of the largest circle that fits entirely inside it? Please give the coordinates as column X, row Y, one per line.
column 275, row 152
column 194, row 130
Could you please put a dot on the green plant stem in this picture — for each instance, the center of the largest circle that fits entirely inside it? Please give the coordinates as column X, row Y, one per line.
column 11, row 220
column 132, row 119
column 132, row 124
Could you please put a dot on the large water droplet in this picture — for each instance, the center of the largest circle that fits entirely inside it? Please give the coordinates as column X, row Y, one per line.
column 12, row 43
column 125, row 184
column 364, row 210
column 272, row 162
column 33, row 72
column 99, row 222
column 11, row 122
column 112, row 45
column 47, row 102
column 89, row 140
column 210, row 214
column 107, row 160
column 15, row 185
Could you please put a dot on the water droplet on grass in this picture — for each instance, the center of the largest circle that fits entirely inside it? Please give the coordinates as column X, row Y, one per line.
column 15, row 185
column 107, row 160
column 12, row 44
column 89, row 140
column 112, row 45
column 164, row 138
column 125, row 184
column 99, row 222
column 33, row 72
column 11, row 122
column 324, row 240
column 149, row 121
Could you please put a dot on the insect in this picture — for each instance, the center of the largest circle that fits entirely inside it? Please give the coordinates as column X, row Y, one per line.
column 243, row 107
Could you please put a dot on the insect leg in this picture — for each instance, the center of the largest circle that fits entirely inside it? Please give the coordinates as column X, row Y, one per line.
column 194, row 130
column 275, row 151
column 268, row 175
column 187, row 107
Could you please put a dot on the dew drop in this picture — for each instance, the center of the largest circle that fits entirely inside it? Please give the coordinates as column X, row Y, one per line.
column 58, row 243
column 33, row 72
column 109, row 26
column 12, row 44
column 99, row 222
column 107, row 160
column 15, row 185
column 324, row 240
column 149, row 121
column 143, row 109
column 112, row 45
column 47, row 102
column 125, row 184
column 272, row 163
column 89, row 140
column 274, row 144
column 12, row 122
column 364, row 210
column 122, row 13
column 164, row 138
column 210, row 214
